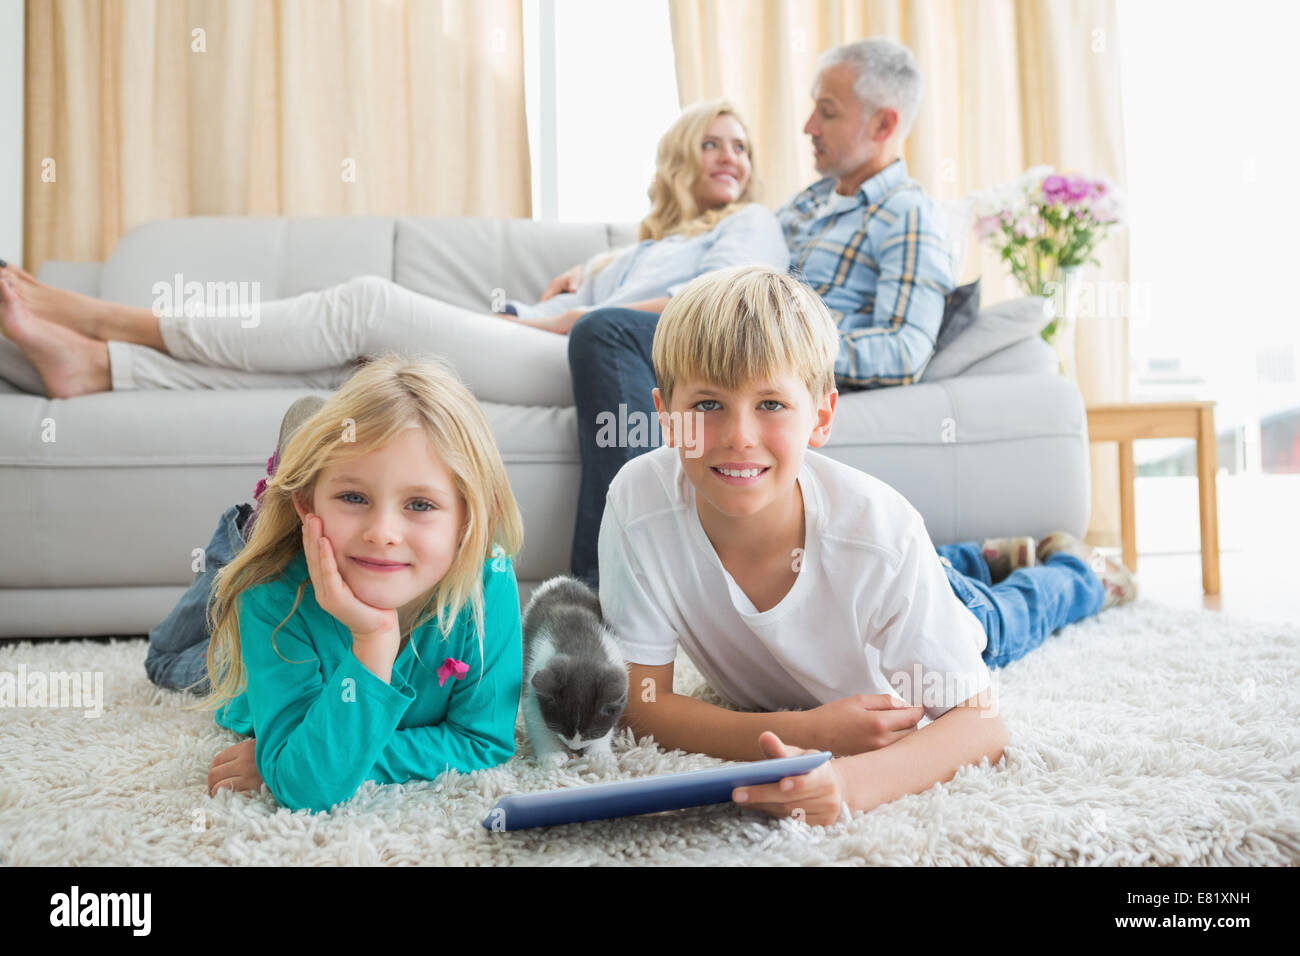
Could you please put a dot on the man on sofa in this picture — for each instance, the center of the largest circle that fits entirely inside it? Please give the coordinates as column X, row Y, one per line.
column 865, row 237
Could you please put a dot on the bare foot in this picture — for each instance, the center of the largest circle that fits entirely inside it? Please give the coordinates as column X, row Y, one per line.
column 72, row 310
column 69, row 363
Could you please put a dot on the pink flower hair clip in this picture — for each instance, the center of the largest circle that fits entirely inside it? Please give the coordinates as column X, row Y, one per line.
column 261, row 482
column 452, row 668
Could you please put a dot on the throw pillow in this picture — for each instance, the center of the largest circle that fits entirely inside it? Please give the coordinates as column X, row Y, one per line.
column 996, row 327
column 960, row 309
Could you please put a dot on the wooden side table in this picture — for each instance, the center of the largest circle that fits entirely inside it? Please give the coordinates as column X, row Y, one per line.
column 1125, row 423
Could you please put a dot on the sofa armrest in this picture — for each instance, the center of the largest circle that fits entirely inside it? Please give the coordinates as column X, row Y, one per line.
column 80, row 277
column 1028, row 357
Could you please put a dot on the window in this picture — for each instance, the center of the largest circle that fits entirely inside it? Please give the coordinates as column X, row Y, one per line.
column 601, row 90
column 1212, row 217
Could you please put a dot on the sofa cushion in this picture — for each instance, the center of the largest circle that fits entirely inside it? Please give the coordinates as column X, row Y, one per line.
column 997, row 327
column 16, row 371
column 146, row 475
column 469, row 261
column 83, row 277
column 285, row 256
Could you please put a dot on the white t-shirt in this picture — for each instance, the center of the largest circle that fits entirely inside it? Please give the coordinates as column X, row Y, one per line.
column 871, row 611
column 834, row 202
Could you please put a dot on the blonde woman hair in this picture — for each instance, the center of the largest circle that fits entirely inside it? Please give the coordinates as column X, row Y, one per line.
column 736, row 326
column 385, row 397
column 673, row 210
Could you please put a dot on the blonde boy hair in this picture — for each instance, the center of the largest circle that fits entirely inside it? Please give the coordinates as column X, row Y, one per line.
column 736, row 326
column 385, row 397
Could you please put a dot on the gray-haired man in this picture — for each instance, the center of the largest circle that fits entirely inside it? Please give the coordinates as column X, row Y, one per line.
column 865, row 237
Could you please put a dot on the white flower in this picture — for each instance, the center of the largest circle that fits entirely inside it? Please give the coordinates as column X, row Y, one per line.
column 987, row 202
column 1033, row 177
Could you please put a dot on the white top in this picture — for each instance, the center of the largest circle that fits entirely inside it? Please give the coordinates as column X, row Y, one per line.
column 655, row 268
column 833, row 203
column 871, row 611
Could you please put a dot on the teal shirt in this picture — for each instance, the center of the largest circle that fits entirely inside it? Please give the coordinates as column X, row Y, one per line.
column 324, row 723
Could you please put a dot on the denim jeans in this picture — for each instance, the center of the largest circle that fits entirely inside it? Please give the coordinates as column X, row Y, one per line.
column 609, row 362
column 179, row 645
column 1020, row 611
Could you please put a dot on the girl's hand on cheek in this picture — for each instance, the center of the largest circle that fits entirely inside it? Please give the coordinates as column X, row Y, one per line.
column 332, row 592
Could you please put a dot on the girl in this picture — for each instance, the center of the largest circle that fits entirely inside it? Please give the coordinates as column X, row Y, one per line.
column 370, row 629
column 703, row 217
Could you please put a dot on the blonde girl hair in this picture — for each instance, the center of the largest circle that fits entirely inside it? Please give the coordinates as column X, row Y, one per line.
column 385, row 397
column 673, row 210
column 736, row 326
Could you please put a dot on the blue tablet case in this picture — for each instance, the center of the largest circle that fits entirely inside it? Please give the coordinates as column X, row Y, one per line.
column 624, row 798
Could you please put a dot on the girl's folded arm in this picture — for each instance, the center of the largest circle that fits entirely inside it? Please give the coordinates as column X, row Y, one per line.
column 317, row 737
column 479, row 729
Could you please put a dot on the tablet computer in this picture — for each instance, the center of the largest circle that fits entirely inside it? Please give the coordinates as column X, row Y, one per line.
column 625, row 798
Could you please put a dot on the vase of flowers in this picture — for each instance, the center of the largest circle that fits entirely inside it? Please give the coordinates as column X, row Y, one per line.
column 1045, row 226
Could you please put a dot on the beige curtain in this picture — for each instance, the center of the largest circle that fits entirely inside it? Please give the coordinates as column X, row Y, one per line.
column 1009, row 84
column 140, row 110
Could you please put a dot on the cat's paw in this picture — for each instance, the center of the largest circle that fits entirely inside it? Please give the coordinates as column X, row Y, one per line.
column 554, row 758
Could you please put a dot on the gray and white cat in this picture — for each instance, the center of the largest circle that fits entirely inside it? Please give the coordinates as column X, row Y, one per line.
column 575, row 678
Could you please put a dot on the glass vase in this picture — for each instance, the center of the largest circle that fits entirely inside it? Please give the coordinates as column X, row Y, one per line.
column 1063, row 306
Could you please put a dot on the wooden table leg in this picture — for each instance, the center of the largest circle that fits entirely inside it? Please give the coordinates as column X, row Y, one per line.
column 1207, row 466
column 1128, row 527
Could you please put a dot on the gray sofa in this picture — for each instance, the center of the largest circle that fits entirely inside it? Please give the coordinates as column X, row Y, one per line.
column 104, row 498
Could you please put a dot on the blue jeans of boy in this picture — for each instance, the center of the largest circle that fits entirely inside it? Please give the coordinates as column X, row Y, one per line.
column 609, row 362
column 1021, row 610
column 179, row 645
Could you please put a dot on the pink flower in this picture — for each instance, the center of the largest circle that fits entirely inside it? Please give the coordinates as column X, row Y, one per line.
column 1055, row 189
column 452, row 668
column 1077, row 188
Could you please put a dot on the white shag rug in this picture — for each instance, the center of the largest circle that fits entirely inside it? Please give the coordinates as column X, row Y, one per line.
column 1144, row 736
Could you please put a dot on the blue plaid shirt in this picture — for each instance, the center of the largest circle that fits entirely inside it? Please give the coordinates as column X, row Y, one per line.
column 882, row 267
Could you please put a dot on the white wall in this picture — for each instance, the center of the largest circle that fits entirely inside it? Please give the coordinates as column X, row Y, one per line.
column 11, row 130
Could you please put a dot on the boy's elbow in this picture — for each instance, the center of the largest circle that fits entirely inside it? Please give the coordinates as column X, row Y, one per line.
column 985, row 728
column 994, row 735
column 1000, row 738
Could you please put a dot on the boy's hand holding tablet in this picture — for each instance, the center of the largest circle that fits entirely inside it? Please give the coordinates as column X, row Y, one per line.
column 818, row 797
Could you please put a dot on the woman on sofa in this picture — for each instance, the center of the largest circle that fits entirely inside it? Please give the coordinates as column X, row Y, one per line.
column 703, row 217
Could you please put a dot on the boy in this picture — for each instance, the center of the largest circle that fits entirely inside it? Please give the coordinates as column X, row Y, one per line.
column 795, row 581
